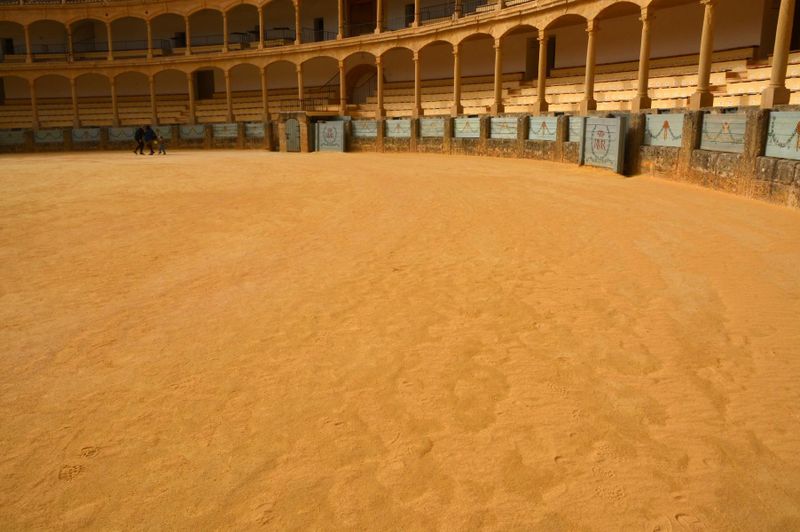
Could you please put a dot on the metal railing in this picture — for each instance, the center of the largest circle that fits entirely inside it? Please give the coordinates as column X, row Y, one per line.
column 279, row 36
column 437, row 11
column 364, row 28
column 288, row 105
column 313, row 35
column 471, row 6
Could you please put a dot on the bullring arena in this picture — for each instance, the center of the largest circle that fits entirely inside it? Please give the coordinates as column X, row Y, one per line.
column 420, row 265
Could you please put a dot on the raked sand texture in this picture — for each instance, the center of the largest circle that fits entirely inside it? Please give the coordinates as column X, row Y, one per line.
column 243, row 340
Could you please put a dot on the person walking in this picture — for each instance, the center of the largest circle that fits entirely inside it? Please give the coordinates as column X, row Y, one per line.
column 149, row 138
column 162, row 145
column 138, row 136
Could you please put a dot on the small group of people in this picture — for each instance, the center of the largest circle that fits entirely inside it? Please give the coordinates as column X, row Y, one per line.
column 148, row 137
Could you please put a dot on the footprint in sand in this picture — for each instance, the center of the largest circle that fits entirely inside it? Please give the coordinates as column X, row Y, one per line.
column 70, row 472
column 662, row 524
column 89, row 452
column 689, row 522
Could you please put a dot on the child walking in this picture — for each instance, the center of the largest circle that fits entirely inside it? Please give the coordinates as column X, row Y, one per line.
column 162, row 145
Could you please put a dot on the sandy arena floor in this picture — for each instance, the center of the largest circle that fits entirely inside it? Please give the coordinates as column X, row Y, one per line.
column 392, row 342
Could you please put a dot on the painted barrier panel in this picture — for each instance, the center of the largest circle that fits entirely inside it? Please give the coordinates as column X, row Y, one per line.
column 543, row 128
column 723, row 132
column 254, row 130
column 604, row 142
column 431, row 128
column 121, row 134
column 398, row 128
column 467, row 127
column 164, row 131
column 86, row 134
column 365, row 129
column 664, row 130
column 49, row 136
column 783, row 138
column 330, row 136
column 503, row 127
column 12, row 137
column 575, row 133
column 196, row 132
column 226, row 131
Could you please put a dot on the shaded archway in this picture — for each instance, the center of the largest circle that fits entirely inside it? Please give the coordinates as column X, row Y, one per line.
column 89, row 38
column 279, row 24
column 15, row 94
column 436, row 77
column 133, row 98
column 206, row 30
column 361, row 79
column 95, row 89
column 282, row 86
column 246, row 94
column 321, row 83
column 12, row 42
column 168, row 32
column 398, row 75
column 172, row 96
column 54, row 101
column 243, row 26
column 129, row 37
column 48, row 40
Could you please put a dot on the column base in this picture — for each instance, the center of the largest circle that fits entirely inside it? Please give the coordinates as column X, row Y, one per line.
column 498, row 108
column 456, row 110
column 641, row 102
column 773, row 96
column 540, row 107
column 378, row 31
column 379, row 113
column 417, row 113
column 699, row 100
column 588, row 105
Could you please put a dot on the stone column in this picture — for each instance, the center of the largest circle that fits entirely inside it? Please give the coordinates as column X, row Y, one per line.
column 378, row 16
column 110, row 42
column 342, row 90
column 34, row 106
column 260, row 27
column 458, row 9
column 298, row 28
column 417, row 20
column 114, row 102
column 188, row 36
column 300, row 88
column 497, row 106
column 28, row 51
column 70, row 55
column 457, row 108
column 589, row 103
column 501, row 4
column 153, row 104
column 703, row 97
column 541, row 106
column 777, row 93
column 76, row 118
column 417, row 87
column 190, row 84
column 642, row 99
column 228, row 97
column 379, row 110
column 149, row 39
column 224, row 32
column 265, row 94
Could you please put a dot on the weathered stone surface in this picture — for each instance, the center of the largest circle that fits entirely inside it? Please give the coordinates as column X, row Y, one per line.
column 430, row 145
column 539, row 149
column 658, row 159
column 570, row 152
column 391, row 144
column 363, row 144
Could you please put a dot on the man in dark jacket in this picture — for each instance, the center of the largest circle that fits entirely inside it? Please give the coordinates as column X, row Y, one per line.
column 149, row 138
column 138, row 136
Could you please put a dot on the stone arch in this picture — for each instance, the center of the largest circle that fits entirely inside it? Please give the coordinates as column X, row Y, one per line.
column 53, row 87
column 279, row 23
column 243, row 25
column 96, row 88
column 48, row 36
column 89, row 35
column 477, row 55
column 16, row 89
column 168, row 31
column 360, row 77
column 206, row 27
column 128, row 35
column 16, row 32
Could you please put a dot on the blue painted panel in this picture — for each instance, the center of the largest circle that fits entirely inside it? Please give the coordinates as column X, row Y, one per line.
column 604, row 142
column 723, row 133
column 49, row 136
column 86, row 134
column 664, row 130
column 467, row 128
column 398, row 128
column 543, row 128
column 431, row 127
column 196, row 132
column 226, row 131
column 330, row 136
column 254, row 130
column 503, row 127
column 575, row 129
column 783, row 139
column 121, row 134
column 164, row 131
column 365, row 129
column 11, row 137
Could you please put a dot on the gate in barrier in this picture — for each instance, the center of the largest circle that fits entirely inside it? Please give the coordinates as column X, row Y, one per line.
column 329, row 136
column 292, row 135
